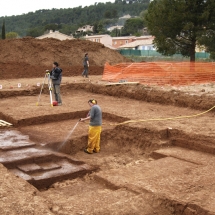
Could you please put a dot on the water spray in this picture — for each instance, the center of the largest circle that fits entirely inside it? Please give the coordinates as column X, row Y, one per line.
column 70, row 133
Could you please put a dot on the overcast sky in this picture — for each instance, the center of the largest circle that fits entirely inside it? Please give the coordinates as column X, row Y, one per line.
column 18, row 7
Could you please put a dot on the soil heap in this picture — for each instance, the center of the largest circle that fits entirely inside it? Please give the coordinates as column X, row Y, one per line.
column 29, row 57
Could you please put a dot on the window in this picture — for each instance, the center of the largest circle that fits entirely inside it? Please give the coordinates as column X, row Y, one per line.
column 126, row 41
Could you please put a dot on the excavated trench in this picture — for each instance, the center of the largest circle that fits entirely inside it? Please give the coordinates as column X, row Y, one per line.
column 70, row 175
column 134, row 146
column 32, row 161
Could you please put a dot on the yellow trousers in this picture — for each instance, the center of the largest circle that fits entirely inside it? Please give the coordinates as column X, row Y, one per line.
column 94, row 139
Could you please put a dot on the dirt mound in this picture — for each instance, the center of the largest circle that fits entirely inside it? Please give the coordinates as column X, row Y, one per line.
column 14, row 193
column 29, row 57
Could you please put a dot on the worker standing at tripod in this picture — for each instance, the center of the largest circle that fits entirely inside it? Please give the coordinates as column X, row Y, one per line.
column 56, row 76
column 95, row 117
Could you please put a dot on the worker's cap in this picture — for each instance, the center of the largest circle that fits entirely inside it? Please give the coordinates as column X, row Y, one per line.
column 93, row 101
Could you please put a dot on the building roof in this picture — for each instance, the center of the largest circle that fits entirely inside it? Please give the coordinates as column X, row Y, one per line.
column 115, row 27
column 97, row 36
column 125, row 17
column 138, row 43
column 123, row 38
column 144, row 37
column 56, row 35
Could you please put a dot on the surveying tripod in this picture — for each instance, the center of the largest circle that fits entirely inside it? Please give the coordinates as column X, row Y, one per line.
column 47, row 76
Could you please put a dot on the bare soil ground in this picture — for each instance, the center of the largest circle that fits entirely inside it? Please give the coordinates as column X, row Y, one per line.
column 161, row 167
column 155, row 167
column 19, row 197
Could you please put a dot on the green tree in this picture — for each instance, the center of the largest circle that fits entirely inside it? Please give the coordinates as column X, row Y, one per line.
column 114, row 14
column 208, row 41
column 68, row 29
column 53, row 26
column 95, row 28
column 212, row 55
column 108, row 15
column 178, row 25
column 12, row 35
column 115, row 32
column 100, row 27
column 133, row 26
column 118, row 1
column 143, row 13
column 3, row 34
column 35, row 23
column 35, row 32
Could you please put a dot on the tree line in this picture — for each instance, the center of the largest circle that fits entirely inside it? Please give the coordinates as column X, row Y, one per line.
column 68, row 20
column 179, row 26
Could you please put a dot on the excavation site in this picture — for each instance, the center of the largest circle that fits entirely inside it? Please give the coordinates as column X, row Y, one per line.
column 157, row 152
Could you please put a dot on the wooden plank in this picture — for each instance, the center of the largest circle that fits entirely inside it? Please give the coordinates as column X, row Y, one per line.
column 121, row 83
column 6, row 123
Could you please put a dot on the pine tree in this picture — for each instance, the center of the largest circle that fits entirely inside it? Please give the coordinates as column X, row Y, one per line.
column 179, row 26
column 3, row 31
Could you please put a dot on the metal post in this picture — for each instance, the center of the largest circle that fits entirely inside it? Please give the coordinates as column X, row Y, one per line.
column 50, row 89
column 41, row 90
column 47, row 76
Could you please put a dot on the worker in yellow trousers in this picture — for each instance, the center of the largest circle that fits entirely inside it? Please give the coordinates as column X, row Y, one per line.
column 95, row 117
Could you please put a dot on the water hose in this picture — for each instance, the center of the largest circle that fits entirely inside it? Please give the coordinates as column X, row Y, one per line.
column 165, row 119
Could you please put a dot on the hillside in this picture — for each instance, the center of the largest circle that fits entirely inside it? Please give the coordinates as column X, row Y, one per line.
column 29, row 57
column 68, row 20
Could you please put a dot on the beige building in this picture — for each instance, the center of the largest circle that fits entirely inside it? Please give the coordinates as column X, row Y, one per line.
column 56, row 35
column 118, row 27
column 85, row 28
column 140, row 43
column 119, row 41
column 103, row 39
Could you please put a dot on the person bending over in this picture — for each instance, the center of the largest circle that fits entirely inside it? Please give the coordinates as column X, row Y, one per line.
column 95, row 128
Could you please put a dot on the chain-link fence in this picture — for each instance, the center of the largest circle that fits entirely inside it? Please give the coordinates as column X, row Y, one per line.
column 151, row 55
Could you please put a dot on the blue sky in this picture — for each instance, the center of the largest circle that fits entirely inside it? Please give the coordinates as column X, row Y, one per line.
column 18, row 7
